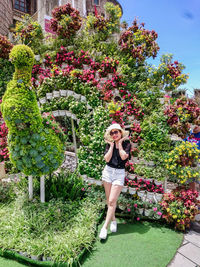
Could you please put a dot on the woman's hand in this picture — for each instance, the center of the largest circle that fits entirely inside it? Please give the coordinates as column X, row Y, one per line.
column 111, row 143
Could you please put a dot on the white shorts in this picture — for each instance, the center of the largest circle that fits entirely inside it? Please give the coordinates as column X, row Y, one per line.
column 113, row 176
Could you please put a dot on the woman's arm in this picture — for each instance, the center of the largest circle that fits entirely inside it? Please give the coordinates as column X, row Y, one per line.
column 122, row 152
column 108, row 155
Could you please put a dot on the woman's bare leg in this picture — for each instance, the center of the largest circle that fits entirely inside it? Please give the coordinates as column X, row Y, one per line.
column 107, row 187
column 112, row 203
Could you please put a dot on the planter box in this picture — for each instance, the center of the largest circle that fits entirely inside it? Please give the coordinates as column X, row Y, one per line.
column 73, row 117
column 122, row 206
column 132, row 191
column 91, row 180
column 110, row 75
column 56, row 94
column 64, row 65
column 70, row 93
column 98, row 182
column 68, row 113
column 84, row 176
column 150, row 195
column 162, row 100
column 62, row 113
column 97, row 75
column 116, row 93
column 83, row 98
column 89, row 107
column 63, row 92
column 158, row 182
column 147, row 212
column 141, row 194
column 158, row 197
column 131, row 176
column 175, row 137
column 86, row 67
column 141, row 210
column 43, row 100
column 49, row 95
column 124, row 189
column 55, row 113
column 37, row 57
column 76, row 96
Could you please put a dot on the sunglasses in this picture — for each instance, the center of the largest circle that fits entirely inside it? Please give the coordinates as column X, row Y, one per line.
column 115, row 132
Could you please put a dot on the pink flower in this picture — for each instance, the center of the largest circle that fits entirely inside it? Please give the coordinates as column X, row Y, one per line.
column 83, row 189
column 155, row 209
column 138, row 218
column 159, row 213
column 47, row 122
column 135, row 205
column 128, row 210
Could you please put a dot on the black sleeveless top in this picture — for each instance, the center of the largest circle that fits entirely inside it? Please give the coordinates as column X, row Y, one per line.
column 116, row 161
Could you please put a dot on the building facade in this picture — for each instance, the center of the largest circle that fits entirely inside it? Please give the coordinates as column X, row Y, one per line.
column 6, row 16
column 83, row 6
column 13, row 10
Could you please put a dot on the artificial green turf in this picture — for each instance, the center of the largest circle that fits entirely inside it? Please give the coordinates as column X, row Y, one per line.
column 10, row 263
column 134, row 245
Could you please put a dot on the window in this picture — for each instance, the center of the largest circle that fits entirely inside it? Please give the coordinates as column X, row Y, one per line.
column 96, row 2
column 22, row 5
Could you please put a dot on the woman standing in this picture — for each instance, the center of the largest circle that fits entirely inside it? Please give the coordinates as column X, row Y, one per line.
column 116, row 155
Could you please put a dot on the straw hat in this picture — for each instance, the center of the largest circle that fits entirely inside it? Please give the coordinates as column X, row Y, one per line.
column 113, row 126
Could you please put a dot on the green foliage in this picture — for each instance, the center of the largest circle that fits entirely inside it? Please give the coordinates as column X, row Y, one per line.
column 7, row 191
column 6, row 72
column 92, row 128
column 29, row 32
column 57, row 229
column 64, row 185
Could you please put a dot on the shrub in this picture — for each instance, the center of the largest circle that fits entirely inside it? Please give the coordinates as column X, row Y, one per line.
column 5, row 47
column 180, row 207
column 66, row 21
column 34, row 149
column 29, row 32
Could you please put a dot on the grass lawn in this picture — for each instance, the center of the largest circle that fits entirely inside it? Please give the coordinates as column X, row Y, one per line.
column 135, row 245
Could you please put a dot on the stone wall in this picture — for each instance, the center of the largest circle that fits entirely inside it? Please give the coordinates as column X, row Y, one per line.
column 6, row 16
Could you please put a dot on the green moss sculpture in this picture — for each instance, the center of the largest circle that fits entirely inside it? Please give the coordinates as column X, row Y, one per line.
column 34, row 149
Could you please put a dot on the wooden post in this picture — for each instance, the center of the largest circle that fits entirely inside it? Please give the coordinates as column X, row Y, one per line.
column 42, row 189
column 30, row 187
column 74, row 140
column 165, row 185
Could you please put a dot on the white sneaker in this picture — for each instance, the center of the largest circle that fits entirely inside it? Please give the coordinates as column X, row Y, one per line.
column 103, row 233
column 113, row 226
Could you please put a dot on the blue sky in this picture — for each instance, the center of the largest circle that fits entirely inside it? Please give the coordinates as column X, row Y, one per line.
column 177, row 23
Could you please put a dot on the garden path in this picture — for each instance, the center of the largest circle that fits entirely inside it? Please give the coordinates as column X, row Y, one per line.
column 188, row 255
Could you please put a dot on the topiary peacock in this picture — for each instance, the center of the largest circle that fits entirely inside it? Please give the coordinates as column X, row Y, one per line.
column 34, row 149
